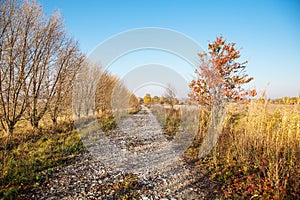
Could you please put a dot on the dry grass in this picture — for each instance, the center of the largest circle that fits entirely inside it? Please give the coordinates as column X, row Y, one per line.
column 28, row 154
column 258, row 154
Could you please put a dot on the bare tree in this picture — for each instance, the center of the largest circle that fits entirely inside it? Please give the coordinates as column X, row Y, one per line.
column 69, row 61
column 104, row 91
column 45, row 75
column 120, row 100
column 170, row 95
column 17, row 35
column 85, row 89
column 36, row 55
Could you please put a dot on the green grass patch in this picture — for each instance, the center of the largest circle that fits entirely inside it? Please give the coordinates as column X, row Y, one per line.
column 107, row 122
column 26, row 164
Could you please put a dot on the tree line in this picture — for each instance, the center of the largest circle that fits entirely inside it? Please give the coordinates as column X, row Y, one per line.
column 41, row 64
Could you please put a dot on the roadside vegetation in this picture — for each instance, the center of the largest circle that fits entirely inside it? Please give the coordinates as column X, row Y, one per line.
column 257, row 152
column 26, row 159
column 166, row 109
column 47, row 86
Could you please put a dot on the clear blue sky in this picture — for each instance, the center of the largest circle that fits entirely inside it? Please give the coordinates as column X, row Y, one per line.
column 268, row 32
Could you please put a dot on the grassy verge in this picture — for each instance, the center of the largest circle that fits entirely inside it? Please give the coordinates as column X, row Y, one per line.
column 169, row 117
column 107, row 123
column 257, row 157
column 25, row 163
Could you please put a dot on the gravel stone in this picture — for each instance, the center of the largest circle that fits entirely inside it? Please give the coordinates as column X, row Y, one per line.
column 167, row 179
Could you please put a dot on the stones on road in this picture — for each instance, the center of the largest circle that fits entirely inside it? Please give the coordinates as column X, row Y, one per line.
column 136, row 158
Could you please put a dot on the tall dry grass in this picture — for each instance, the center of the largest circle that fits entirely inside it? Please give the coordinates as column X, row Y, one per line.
column 258, row 154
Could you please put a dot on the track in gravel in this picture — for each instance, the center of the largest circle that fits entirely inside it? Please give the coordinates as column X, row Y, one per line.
column 138, row 145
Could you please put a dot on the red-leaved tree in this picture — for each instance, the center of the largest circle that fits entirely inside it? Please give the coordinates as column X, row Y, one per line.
column 220, row 77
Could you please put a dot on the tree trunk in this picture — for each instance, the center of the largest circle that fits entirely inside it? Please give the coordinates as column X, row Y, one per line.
column 54, row 121
column 10, row 129
column 214, row 131
column 35, row 122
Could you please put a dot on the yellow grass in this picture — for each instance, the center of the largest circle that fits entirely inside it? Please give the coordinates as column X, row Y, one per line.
column 264, row 141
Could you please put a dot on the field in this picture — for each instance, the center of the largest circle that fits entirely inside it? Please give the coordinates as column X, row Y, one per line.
column 257, row 155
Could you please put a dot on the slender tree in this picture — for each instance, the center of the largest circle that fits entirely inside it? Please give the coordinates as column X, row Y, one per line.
column 105, row 87
column 169, row 95
column 69, row 61
column 85, row 89
column 18, row 30
column 220, row 77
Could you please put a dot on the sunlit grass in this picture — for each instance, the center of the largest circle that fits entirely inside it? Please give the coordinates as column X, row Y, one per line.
column 258, row 153
column 26, row 157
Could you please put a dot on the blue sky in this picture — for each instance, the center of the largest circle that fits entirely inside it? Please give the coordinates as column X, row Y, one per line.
column 268, row 32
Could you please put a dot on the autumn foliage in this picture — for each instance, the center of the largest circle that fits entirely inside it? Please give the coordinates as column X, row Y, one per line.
column 220, row 75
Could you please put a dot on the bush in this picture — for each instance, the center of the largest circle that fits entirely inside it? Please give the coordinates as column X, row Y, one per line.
column 107, row 122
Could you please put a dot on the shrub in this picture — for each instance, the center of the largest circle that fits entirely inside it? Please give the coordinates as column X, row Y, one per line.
column 107, row 122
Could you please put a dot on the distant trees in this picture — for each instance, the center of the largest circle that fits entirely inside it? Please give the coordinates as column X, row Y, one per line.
column 104, row 92
column 85, row 88
column 123, row 101
column 168, row 98
column 38, row 63
column 220, row 76
column 147, row 99
column 134, row 103
column 155, row 99
column 287, row 100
